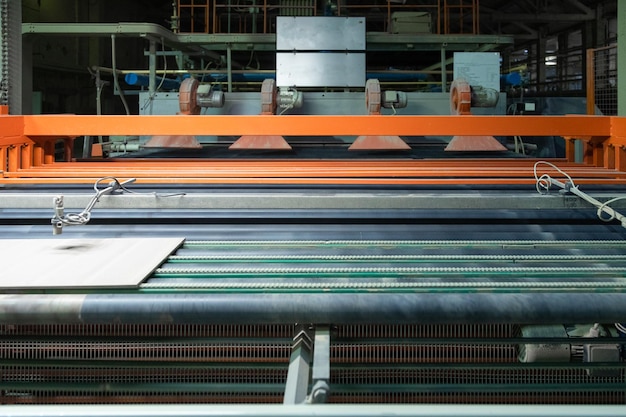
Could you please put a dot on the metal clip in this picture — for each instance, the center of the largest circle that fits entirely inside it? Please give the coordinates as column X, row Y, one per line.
column 59, row 220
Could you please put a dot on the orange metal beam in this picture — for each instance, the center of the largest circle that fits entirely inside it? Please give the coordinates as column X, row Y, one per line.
column 78, row 170
column 314, row 171
column 605, row 138
column 297, row 125
column 11, row 130
column 174, row 180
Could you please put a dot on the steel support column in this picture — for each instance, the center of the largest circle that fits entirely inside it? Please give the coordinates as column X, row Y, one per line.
column 320, row 379
column 297, row 385
column 621, row 58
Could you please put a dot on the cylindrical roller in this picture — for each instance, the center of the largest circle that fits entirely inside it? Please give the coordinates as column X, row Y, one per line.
column 338, row 308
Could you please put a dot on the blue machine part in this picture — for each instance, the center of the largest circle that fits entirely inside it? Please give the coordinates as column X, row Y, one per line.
column 260, row 76
column 144, row 81
column 512, row 78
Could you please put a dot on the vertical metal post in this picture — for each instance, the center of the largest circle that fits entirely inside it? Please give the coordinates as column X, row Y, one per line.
column 229, row 67
column 444, row 74
column 13, row 158
column 152, row 64
column 438, row 17
column 4, row 53
column 297, row 385
column 13, row 71
column 38, row 154
column 26, row 156
column 541, row 62
column 48, row 152
column 591, row 82
column 3, row 159
column 116, row 86
column 321, row 366
column 228, row 14
column 476, row 10
column 152, row 58
column 621, row 58
column 446, row 22
column 561, row 61
column 254, row 14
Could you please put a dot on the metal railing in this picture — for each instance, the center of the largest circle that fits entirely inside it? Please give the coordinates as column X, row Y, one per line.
column 602, row 80
column 229, row 16
column 388, row 9
column 461, row 16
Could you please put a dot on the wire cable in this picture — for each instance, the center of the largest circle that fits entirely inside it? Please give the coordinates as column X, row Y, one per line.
column 543, row 182
column 605, row 205
column 116, row 82
column 163, row 76
column 117, row 185
column 61, row 220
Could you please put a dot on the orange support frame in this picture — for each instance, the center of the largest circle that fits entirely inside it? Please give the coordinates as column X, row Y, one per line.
column 27, row 148
column 296, row 125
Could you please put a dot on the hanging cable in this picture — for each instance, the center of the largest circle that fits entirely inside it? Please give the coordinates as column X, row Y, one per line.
column 601, row 209
column 158, row 87
column 61, row 219
column 116, row 82
column 544, row 182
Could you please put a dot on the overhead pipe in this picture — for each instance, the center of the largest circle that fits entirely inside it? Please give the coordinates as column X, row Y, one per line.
column 144, row 81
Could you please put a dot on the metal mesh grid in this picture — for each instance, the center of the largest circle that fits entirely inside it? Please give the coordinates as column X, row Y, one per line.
column 297, row 7
column 555, row 397
column 397, row 364
column 605, row 79
column 141, row 330
column 100, row 364
column 4, row 55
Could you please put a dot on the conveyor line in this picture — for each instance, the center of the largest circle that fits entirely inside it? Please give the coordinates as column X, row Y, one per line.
column 394, row 266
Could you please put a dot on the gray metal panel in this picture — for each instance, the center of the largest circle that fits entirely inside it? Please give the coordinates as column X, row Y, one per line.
column 72, row 263
column 311, row 199
column 320, row 33
column 308, row 69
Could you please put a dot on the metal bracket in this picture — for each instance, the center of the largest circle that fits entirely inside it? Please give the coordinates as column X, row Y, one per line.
column 321, row 366
column 309, row 366
column 296, row 387
column 60, row 219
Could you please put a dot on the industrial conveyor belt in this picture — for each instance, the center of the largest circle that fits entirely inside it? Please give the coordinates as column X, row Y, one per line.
column 419, row 295
column 356, row 282
column 393, row 265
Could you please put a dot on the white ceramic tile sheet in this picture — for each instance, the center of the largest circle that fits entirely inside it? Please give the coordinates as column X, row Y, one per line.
column 81, row 263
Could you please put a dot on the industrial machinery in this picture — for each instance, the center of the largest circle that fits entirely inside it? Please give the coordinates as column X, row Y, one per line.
column 299, row 281
column 312, row 280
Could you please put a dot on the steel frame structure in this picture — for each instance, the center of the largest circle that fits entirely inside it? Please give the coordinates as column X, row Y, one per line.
column 27, row 149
